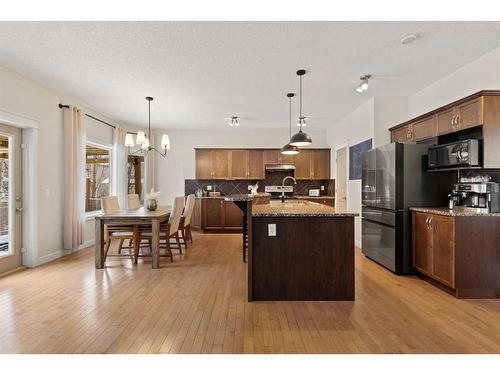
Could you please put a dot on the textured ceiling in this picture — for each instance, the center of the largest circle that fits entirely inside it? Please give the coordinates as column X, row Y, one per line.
column 203, row 72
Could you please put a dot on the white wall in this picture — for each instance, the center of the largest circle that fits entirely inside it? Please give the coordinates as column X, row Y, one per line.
column 354, row 128
column 28, row 98
column 388, row 111
column 481, row 74
column 180, row 162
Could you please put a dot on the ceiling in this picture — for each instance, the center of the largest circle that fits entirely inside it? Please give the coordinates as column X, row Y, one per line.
column 201, row 73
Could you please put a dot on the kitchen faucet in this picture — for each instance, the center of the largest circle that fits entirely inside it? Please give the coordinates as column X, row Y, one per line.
column 283, row 184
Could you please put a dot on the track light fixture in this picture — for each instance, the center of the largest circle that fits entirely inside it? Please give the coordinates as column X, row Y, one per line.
column 234, row 121
column 363, row 85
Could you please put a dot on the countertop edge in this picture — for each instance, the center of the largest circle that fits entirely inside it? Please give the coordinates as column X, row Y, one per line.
column 447, row 212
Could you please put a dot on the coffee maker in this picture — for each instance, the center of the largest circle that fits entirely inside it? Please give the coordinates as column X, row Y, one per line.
column 480, row 197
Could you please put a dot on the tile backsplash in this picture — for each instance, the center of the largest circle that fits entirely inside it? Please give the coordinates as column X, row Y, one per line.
column 227, row 187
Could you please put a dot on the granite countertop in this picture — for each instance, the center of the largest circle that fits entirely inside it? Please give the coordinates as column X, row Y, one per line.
column 245, row 197
column 297, row 208
column 445, row 211
column 211, row 197
column 309, row 197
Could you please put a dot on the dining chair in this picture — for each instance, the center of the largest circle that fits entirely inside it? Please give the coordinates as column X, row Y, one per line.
column 121, row 232
column 168, row 230
column 134, row 203
column 185, row 223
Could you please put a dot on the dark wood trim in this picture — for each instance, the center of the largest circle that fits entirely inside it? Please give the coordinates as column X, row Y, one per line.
column 448, row 106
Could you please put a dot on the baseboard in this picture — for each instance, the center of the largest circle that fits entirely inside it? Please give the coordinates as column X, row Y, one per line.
column 52, row 256
column 57, row 254
column 18, row 269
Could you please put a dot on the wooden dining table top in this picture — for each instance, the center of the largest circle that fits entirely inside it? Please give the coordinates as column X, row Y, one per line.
column 140, row 213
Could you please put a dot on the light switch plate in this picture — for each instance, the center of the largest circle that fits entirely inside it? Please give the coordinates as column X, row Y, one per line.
column 271, row 230
column 209, row 187
column 322, row 187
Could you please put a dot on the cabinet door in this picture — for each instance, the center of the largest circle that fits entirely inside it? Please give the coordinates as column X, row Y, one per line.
column 425, row 128
column 196, row 221
column 239, row 164
column 286, row 159
column 443, row 249
column 303, row 165
column 402, row 134
column 220, row 164
column 256, row 165
column 271, row 157
column 233, row 218
column 470, row 114
column 203, row 164
column 422, row 243
column 444, row 121
column 321, row 164
column 213, row 213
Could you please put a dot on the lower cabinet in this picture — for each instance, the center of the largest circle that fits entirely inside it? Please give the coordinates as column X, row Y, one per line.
column 433, row 247
column 458, row 252
column 217, row 215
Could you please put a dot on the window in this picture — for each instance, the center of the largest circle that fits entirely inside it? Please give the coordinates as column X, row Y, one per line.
column 135, row 175
column 98, row 175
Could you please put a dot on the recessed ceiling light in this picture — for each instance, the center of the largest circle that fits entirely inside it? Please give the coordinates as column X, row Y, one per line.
column 410, row 38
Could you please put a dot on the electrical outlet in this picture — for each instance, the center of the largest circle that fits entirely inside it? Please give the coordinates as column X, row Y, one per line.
column 271, row 230
column 322, row 187
column 209, row 187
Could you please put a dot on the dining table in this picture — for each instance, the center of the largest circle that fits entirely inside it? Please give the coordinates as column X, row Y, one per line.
column 135, row 219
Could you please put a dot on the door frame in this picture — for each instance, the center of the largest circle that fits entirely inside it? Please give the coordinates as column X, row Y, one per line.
column 29, row 146
column 335, row 150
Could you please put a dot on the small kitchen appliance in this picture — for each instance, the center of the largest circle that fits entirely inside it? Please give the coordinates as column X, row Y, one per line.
column 466, row 153
column 480, row 197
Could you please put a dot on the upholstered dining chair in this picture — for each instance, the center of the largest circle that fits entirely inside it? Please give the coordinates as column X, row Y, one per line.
column 168, row 230
column 111, row 205
column 134, row 203
column 185, row 223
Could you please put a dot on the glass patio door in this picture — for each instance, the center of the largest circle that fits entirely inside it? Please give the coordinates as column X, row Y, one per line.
column 10, row 198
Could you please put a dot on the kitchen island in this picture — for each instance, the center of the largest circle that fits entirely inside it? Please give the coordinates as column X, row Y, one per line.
column 300, row 251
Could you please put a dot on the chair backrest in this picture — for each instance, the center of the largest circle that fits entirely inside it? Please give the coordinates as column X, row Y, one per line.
column 134, row 202
column 188, row 210
column 110, row 204
column 175, row 215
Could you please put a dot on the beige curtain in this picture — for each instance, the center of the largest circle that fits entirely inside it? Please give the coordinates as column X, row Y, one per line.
column 149, row 168
column 120, row 166
column 74, row 178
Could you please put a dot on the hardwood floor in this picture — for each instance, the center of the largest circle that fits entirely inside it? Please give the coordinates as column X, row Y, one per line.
column 198, row 305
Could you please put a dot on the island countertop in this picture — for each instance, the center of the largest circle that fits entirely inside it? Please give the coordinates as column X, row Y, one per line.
column 245, row 197
column 297, row 208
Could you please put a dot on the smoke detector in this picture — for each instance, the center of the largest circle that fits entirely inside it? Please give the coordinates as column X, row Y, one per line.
column 410, row 38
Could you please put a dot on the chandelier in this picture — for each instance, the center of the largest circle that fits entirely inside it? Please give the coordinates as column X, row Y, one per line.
column 143, row 140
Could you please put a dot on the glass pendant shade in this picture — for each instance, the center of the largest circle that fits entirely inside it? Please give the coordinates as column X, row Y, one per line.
column 141, row 138
column 288, row 149
column 300, row 139
column 129, row 140
column 165, row 142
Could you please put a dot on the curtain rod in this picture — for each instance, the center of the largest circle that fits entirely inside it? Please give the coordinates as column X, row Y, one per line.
column 95, row 118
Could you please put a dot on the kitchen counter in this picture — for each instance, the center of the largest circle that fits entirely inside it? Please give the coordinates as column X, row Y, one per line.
column 445, row 211
column 246, row 197
column 309, row 197
column 297, row 208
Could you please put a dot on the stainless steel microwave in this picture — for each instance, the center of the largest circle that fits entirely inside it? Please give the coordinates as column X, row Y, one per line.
column 466, row 153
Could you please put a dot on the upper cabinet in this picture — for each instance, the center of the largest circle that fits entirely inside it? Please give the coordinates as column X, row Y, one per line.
column 249, row 164
column 312, row 164
column 480, row 109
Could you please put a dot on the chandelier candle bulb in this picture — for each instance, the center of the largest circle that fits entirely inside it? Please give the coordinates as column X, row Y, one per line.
column 165, row 142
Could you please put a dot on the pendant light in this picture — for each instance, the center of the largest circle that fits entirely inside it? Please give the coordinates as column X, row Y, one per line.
column 300, row 139
column 142, row 139
column 288, row 149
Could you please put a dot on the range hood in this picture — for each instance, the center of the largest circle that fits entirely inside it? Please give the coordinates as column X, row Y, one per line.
column 279, row 167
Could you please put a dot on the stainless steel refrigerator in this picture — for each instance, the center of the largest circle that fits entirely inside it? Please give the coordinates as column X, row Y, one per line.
column 393, row 180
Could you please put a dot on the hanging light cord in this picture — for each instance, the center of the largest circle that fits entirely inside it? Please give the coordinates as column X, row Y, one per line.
column 149, row 118
column 300, row 104
column 290, row 117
